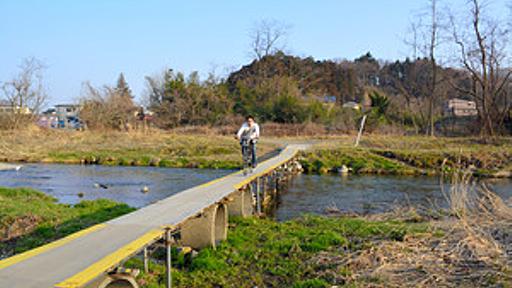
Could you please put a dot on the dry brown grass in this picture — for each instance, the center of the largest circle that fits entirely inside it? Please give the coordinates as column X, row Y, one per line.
column 138, row 148
column 484, row 219
column 267, row 129
column 473, row 250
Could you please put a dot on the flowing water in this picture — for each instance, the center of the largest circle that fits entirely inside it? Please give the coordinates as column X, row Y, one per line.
column 119, row 183
column 362, row 194
column 368, row 194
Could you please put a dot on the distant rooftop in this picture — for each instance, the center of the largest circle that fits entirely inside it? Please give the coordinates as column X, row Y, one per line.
column 67, row 105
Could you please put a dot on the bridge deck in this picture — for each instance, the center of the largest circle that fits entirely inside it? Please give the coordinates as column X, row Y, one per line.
column 79, row 258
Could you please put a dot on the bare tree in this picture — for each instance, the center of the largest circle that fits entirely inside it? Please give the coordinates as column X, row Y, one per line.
column 268, row 37
column 425, row 41
column 432, row 45
column 481, row 46
column 25, row 93
column 108, row 107
column 413, row 41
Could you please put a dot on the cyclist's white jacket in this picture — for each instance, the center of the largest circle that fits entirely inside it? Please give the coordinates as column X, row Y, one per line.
column 252, row 132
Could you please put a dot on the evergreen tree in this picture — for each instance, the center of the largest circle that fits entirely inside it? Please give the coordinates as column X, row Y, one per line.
column 122, row 87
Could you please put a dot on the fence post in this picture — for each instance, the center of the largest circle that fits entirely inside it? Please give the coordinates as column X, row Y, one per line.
column 146, row 260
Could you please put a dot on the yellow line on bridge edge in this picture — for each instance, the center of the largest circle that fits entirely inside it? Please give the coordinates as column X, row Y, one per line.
column 266, row 171
column 251, row 177
column 219, row 179
column 110, row 261
column 34, row 252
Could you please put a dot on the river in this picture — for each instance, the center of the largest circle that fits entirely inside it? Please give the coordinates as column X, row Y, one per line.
column 368, row 194
column 72, row 183
column 362, row 194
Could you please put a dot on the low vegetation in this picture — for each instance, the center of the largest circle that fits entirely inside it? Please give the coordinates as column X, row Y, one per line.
column 215, row 148
column 30, row 218
column 119, row 148
column 316, row 251
column 265, row 253
column 411, row 155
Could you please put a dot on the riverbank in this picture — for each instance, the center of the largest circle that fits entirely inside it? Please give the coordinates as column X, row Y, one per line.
column 397, row 155
column 411, row 156
column 128, row 149
column 29, row 218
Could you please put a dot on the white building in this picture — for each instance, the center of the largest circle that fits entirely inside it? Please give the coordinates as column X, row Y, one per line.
column 6, row 107
column 67, row 110
column 352, row 105
column 460, row 108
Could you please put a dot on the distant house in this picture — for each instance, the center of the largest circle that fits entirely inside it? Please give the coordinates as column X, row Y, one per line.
column 6, row 107
column 48, row 118
column 49, row 112
column 67, row 110
column 460, row 108
column 68, row 115
column 352, row 105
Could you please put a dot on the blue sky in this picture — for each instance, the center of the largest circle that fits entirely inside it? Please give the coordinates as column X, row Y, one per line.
column 95, row 40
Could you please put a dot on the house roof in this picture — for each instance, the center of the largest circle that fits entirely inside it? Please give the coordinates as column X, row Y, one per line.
column 459, row 100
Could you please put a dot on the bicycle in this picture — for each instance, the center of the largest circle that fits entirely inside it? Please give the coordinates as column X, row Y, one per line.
column 247, row 155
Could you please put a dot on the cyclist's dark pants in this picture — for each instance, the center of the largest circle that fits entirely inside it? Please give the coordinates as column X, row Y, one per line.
column 251, row 146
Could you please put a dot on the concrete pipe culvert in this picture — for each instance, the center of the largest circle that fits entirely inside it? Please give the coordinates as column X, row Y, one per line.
column 248, row 203
column 220, row 225
column 122, row 281
column 241, row 203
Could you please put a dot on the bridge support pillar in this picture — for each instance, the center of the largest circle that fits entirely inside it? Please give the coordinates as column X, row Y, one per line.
column 241, row 204
column 207, row 229
column 119, row 281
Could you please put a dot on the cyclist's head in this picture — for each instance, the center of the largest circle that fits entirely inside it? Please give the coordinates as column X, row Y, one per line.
column 249, row 119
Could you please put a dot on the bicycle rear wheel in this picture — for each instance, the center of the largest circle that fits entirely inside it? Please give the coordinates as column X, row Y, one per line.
column 246, row 158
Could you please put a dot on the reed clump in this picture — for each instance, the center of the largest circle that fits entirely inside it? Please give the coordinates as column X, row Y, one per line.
column 471, row 246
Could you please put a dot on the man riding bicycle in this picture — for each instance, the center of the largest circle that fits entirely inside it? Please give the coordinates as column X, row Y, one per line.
column 248, row 135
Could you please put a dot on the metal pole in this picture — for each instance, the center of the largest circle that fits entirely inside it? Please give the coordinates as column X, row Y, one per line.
column 277, row 182
column 146, row 264
column 263, row 188
column 168, row 262
column 258, row 198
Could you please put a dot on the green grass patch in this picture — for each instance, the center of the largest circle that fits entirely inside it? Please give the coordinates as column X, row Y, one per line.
column 359, row 160
column 410, row 156
column 266, row 253
column 29, row 218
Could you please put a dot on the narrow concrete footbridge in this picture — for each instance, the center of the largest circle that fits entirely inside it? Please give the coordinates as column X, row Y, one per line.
column 93, row 257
